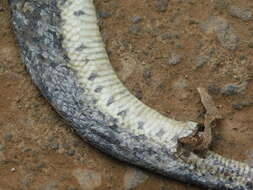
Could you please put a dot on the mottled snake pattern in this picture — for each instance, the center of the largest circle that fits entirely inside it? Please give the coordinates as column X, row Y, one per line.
column 64, row 53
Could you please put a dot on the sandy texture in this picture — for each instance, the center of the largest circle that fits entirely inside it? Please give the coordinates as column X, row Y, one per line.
column 162, row 50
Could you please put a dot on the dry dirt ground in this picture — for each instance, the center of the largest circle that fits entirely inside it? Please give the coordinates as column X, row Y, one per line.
column 162, row 50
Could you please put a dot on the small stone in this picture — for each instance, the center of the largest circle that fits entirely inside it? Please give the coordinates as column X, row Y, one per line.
column 136, row 19
column 250, row 45
column 133, row 177
column 72, row 188
column 223, row 31
column 213, row 89
column 1, row 147
column 241, row 105
column 71, row 152
column 240, row 13
column 103, row 14
column 147, row 73
column 233, row 89
column 40, row 166
column 55, row 146
column 88, row 179
column 8, row 136
column 180, row 84
column 175, row 59
column 162, row 5
column 220, row 5
column 13, row 169
column 230, row 90
column 201, row 61
column 138, row 94
column 134, row 29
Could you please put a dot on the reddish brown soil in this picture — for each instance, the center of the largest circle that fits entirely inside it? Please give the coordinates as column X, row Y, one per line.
column 39, row 151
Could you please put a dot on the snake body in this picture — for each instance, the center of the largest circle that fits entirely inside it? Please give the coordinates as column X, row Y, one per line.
column 64, row 53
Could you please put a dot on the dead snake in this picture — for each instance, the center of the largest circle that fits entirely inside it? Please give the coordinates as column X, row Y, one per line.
column 64, row 53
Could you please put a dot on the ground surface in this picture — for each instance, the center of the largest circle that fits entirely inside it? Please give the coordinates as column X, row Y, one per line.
column 162, row 50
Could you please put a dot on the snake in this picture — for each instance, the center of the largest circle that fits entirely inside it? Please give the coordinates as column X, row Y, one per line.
column 64, row 53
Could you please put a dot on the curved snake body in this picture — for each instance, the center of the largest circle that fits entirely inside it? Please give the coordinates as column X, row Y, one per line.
column 65, row 56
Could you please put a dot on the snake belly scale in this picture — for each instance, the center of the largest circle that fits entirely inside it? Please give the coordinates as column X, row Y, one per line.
column 65, row 55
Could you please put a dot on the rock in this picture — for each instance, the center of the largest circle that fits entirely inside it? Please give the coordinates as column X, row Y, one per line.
column 103, row 14
column 71, row 152
column 136, row 19
column 133, row 177
column 213, row 89
column 55, row 146
column 88, row 179
column 220, row 5
column 162, row 5
column 52, row 185
column 147, row 73
column 1, row 147
column 201, row 61
column 180, row 84
column 8, row 136
column 134, row 29
column 138, row 94
column 250, row 45
column 239, row 12
column 223, row 31
column 174, row 59
column 241, row 105
column 233, row 89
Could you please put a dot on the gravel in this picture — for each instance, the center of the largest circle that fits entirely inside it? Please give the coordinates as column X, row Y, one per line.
column 213, row 89
column 136, row 19
column 134, row 29
column 162, row 5
column 241, row 105
column 201, row 61
column 233, row 89
column 8, row 136
column 239, row 12
column 103, row 14
column 223, row 31
column 88, row 179
column 1, row 147
column 175, row 59
column 133, row 177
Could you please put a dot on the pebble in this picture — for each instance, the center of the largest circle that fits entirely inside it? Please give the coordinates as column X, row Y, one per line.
column 223, row 31
column 162, row 5
column 136, row 19
column 1, row 147
column 134, row 29
column 147, row 73
column 180, row 84
column 8, row 136
column 175, row 59
column 241, row 105
column 88, row 179
column 133, row 177
column 250, row 45
column 233, row 89
column 55, row 146
column 138, row 94
column 201, row 61
column 103, row 14
column 220, row 5
column 213, row 89
column 71, row 152
column 240, row 13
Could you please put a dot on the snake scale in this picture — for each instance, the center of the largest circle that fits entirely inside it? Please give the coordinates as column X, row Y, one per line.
column 65, row 55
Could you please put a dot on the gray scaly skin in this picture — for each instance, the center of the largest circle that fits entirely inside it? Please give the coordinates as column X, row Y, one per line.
column 65, row 56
